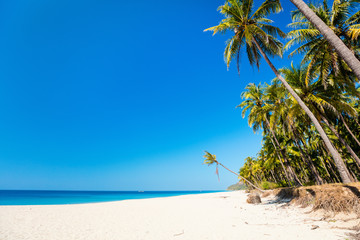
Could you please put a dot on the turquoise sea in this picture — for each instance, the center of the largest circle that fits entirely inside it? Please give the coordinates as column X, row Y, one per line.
column 31, row 197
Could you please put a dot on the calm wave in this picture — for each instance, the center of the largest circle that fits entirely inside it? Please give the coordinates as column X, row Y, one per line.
column 27, row 197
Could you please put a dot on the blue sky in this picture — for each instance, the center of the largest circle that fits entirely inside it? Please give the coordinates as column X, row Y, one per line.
column 120, row 95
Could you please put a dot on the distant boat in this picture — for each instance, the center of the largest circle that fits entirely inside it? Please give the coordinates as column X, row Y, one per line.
column 140, row 191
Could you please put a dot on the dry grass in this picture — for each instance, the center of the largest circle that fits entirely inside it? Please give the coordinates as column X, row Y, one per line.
column 335, row 198
column 331, row 198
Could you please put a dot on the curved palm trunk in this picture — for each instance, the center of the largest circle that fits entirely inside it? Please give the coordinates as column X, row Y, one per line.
column 316, row 172
column 348, row 129
column 350, row 150
column 334, row 173
column 273, row 175
column 287, row 178
column 330, row 36
column 282, row 176
column 324, row 166
column 301, row 166
column 287, row 162
column 306, row 158
column 357, row 122
column 329, row 163
column 345, row 176
column 353, row 175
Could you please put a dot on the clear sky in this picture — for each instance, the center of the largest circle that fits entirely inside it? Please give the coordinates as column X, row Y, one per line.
column 120, row 95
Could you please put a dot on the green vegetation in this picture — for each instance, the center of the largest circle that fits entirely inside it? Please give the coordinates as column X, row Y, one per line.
column 268, row 185
column 309, row 114
column 237, row 186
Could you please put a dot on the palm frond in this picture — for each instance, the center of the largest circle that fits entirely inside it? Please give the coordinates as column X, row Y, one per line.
column 354, row 32
column 210, row 158
column 266, row 8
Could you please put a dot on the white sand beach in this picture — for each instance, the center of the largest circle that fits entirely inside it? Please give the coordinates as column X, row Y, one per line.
column 203, row 216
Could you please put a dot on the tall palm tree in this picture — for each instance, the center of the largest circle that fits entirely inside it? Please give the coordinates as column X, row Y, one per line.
column 330, row 36
column 253, row 30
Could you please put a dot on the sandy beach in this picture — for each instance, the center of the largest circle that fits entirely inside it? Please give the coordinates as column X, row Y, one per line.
column 217, row 216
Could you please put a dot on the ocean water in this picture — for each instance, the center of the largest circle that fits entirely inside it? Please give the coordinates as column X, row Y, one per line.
column 30, row 197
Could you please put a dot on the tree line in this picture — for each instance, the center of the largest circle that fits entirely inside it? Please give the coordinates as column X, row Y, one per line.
column 309, row 113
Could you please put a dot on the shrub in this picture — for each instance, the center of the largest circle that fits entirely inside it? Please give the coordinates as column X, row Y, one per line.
column 268, row 185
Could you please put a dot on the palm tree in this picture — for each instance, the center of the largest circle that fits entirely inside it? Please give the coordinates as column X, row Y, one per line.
column 271, row 162
column 253, row 170
column 322, row 57
column 283, row 114
column 211, row 159
column 314, row 94
column 330, row 36
column 318, row 52
column 258, row 118
column 253, row 30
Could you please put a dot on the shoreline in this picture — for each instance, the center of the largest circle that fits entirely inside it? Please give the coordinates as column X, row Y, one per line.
column 82, row 197
column 220, row 215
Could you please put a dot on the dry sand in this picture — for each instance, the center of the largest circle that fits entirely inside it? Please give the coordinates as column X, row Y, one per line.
column 196, row 217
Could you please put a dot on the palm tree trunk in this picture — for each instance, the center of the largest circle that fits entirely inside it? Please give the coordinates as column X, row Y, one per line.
column 333, row 172
column 258, row 178
column 302, row 169
column 283, row 174
column 283, row 177
column 296, row 143
column 330, row 36
column 357, row 122
column 350, row 150
column 332, row 163
column 287, row 178
column 309, row 157
column 348, row 129
column 354, row 175
column 287, row 162
column 345, row 176
column 273, row 176
column 324, row 165
column 310, row 163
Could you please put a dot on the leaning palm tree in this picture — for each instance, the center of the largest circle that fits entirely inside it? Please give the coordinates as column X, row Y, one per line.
column 253, row 30
column 322, row 102
column 211, row 159
column 330, row 36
